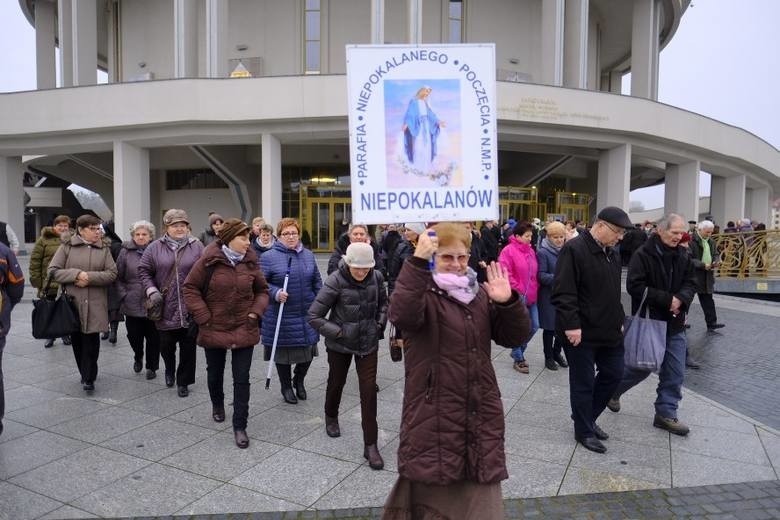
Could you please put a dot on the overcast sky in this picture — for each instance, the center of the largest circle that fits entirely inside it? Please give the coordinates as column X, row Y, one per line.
column 723, row 62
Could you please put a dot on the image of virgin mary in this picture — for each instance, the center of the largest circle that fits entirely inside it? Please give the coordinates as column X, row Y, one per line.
column 421, row 130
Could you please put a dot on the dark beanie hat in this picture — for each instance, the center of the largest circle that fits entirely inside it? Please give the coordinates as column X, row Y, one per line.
column 231, row 229
column 214, row 217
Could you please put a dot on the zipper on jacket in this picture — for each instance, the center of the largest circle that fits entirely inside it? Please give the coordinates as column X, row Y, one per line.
column 429, row 385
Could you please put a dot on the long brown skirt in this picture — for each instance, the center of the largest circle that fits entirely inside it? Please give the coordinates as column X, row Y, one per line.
column 463, row 500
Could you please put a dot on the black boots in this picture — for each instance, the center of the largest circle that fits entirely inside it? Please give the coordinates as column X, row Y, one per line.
column 300, row 391
column 289, row 396
column 371, row 454
column 332, row 426
column 113, row 327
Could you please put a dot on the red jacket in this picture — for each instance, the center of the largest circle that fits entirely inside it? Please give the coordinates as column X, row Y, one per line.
column 222, row 309
column 452, row 424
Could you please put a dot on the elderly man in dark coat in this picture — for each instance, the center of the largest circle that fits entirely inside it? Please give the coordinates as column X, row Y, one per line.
column 705, row 260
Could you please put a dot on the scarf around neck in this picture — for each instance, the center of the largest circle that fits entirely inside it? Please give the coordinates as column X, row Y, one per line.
column 174, row 243
column 233, row 256
column 463, row 288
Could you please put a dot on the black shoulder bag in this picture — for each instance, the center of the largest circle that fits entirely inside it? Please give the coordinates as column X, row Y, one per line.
column 55, row 318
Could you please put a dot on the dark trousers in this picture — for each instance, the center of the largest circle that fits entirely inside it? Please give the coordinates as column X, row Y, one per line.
column 2, row 387
column 590, row 390
column 285, row 373
column 338, row 364
column 185, row 373
column 240, row 362
column 86, row 349
column 551, row 344
column 138, row 330
column 708, row 307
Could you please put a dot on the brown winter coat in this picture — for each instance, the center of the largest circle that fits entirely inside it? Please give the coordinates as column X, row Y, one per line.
column 222, row 310
column 74, row 257
column 452, row 425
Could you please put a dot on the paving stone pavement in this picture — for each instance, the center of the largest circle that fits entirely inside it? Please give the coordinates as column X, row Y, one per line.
column 135, row 449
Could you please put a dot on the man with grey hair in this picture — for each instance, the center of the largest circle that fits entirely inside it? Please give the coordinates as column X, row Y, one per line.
column 705, row 260
column 664, row 271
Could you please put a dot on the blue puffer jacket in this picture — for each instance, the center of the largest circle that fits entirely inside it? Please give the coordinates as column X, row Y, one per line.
column 304, row 284
column 547, row 258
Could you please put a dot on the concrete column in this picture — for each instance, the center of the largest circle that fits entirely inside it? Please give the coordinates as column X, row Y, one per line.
column 614, row 177
column 377, row 22
column 216, row 38
column 84, row 26
column 727, row 199
column 552, row 41
column 45, row 68
column 271, row 179
column 131, row 186
column 65, row 37
column 414, row 17
column 575, row 44
column 681, row 193
column 758, row 205
column 185, row 14
column 12, row 195
column 616, row 82
column 644, row 49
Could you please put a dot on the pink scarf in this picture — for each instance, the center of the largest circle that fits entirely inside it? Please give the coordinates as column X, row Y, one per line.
column 462, row 288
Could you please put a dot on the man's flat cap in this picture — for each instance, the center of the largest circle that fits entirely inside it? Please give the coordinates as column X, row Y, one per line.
column 616, row 217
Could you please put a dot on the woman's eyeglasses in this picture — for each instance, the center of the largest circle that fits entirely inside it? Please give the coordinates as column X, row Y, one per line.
column 461, row 259
column 288, row 234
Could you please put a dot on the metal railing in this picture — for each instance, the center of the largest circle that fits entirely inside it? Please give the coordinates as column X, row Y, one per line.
column 754, row 254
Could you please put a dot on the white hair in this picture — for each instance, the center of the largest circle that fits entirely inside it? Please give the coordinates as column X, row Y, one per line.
column 705, row 224
column 135, row 226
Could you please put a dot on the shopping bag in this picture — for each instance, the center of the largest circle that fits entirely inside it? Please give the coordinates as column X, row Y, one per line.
column 644, row 340
column 52, row 319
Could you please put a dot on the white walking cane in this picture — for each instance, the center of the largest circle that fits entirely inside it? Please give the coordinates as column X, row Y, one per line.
column 278, row 323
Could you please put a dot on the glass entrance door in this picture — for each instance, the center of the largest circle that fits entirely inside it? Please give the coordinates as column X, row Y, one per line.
column 327, row 218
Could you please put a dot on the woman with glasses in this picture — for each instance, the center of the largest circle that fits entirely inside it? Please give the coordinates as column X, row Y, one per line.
column 297, row 341
column 85, row 267
column 451, row 453
column 519, row 259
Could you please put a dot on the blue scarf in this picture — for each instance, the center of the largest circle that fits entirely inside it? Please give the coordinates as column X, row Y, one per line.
column 233, row 256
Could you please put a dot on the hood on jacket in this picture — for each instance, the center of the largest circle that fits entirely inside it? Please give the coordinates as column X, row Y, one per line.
column 513, row 240
column 546, row 245
column 48, row 232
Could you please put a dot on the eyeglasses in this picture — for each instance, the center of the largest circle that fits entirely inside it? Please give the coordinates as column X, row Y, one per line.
column 620, row 231
column 462, row 259
column 288, row 234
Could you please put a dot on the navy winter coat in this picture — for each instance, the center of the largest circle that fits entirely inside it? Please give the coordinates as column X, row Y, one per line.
column 304, row 284
column 547, row 258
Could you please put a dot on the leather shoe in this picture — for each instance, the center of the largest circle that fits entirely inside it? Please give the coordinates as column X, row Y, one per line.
column 371, row 453
column 561, row 360
column 690, row 363
column 66, row 340
column 183, row 391
column 49, row 343
column 614, row 404
column 169, row 379
column 289, row 396
column 592, row 444
column 89, row 387
column 715, row 326
column 521, row 366
column 600, row 434
column 332, row 426
column 549, row 364
column 300, row 391
column 242, row 440
column 218, row 413
column 671, row 425
column 137, row 367
column 150, row 374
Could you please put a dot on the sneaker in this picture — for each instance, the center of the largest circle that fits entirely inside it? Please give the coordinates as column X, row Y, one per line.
column 614, row 404
column 671, row 425
column 521, row 366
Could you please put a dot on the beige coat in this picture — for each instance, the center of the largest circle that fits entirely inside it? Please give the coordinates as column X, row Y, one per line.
column 74, row 257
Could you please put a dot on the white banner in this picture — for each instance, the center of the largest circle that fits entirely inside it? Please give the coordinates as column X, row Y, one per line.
column 422, row 132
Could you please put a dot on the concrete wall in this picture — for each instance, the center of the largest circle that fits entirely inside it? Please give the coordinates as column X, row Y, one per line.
column 273, row 30
column 147, row 36
column 347, row 23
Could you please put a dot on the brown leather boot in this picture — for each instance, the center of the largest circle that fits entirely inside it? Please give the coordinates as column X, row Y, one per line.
column 371, row 453
column 332, row 426
column 242, row 440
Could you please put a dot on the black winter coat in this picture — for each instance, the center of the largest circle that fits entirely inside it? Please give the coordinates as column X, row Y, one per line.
column 395, row 262
column 586, row 292
column 705, row 280
column 646, row 270
column 358, row 312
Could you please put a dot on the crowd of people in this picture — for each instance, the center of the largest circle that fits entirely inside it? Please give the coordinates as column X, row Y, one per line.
column 449, row 290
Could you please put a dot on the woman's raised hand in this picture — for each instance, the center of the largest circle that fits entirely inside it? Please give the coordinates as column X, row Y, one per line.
column 427, row 244
column 497, row 285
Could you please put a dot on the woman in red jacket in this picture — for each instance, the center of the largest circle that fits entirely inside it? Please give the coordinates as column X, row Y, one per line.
column 226, row 293
column 451, row 453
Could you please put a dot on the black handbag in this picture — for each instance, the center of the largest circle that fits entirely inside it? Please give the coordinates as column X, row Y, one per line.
column 52, row 319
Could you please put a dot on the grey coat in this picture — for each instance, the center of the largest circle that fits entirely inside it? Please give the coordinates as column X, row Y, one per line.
column 76, row 256
column 358, row 312
column 128, row 283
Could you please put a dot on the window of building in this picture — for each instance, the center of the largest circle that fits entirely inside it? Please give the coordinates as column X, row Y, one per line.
column 202, row 179
column 456, row 21
column 313, row 41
